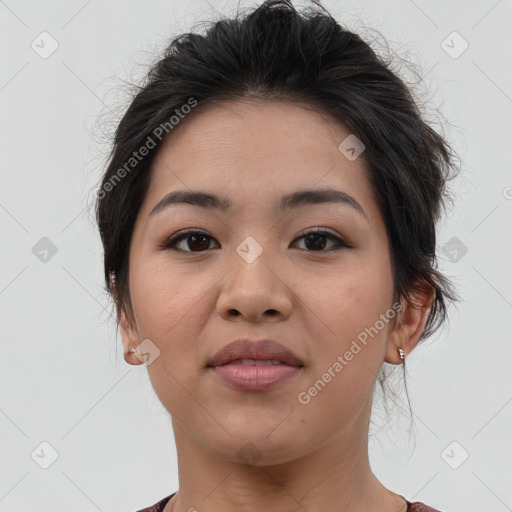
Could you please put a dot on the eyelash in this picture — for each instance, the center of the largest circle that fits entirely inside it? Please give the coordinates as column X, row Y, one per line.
column 171, row 242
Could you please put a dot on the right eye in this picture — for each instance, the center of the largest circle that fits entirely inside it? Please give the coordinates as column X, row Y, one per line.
column 195, row 241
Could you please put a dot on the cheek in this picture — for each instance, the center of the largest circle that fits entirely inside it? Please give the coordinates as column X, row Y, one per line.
column 351, row 308
column 348, row 358
column 162, row 295
column 171, row 309
column 354, row 300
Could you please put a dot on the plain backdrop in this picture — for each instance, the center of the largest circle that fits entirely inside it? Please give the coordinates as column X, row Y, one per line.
column 79, row 428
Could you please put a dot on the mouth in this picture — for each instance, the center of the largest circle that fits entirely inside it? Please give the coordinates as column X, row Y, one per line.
column 255, row 365
column 255, row 362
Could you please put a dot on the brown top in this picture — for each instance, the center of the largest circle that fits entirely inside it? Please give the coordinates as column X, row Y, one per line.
column 411, row 507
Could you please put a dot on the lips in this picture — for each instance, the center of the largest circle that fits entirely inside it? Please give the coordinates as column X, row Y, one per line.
column 247, row 352
column 255, row 366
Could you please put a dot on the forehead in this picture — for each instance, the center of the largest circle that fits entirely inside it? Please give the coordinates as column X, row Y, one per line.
column 257, row 150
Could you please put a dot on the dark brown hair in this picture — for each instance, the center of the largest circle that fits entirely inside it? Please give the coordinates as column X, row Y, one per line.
column 278, row 53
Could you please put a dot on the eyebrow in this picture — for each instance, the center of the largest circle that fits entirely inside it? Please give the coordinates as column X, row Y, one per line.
column 291, row 201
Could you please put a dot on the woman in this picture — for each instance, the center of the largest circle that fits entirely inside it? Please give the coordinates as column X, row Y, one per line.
column 268, row 219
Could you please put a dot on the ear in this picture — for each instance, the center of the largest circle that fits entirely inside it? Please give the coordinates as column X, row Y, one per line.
column 129, row 338
column 410, row 323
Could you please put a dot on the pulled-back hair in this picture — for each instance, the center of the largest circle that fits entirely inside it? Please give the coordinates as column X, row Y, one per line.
column 277, row 53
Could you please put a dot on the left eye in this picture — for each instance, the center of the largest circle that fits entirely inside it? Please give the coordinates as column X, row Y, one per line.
column 318, row 240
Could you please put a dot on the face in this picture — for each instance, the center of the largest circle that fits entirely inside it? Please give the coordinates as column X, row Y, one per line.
column 254, row 270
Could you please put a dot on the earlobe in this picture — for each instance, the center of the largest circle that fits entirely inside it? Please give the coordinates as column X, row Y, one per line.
column 409, row 325
column 130, row 339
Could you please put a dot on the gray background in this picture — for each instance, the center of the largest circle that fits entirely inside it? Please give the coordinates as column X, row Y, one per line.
column 63, row 379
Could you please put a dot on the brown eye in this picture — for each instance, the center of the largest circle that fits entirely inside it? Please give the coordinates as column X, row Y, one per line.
column 190, row 241
column 316, row 240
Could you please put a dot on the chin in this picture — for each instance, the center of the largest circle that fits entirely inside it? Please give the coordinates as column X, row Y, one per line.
column 258, row 448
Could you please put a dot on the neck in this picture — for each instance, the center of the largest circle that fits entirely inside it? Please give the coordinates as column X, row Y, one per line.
column 337, row 472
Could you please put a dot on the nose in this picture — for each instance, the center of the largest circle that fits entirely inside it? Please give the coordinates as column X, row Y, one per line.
column 255, row 291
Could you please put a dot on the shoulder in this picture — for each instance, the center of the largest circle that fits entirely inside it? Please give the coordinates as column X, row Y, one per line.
column 159, row 506
column 420, row 507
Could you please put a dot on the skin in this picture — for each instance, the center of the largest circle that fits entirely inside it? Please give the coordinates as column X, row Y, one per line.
column 313, row 300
